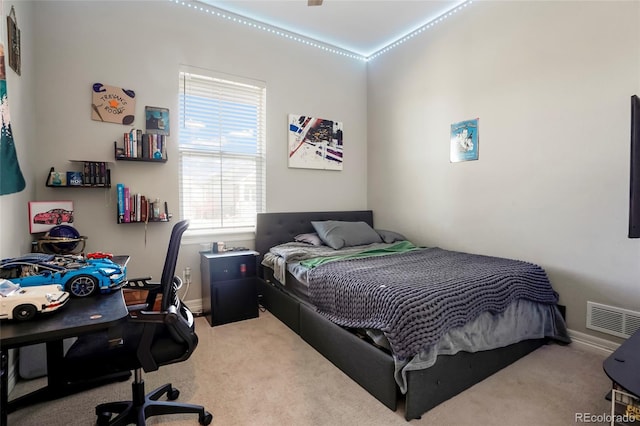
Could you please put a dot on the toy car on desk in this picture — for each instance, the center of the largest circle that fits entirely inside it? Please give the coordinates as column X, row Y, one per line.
column 99, row 255
column 24, row 303
column 80, row 277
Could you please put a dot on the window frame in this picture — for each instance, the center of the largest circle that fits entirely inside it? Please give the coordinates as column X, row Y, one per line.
column 234, row 232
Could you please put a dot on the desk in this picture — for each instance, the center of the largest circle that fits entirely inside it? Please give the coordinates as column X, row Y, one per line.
column 623, row 365
column 79, row 316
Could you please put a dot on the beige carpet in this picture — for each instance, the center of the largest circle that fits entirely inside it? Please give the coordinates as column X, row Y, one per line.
column 258, row 372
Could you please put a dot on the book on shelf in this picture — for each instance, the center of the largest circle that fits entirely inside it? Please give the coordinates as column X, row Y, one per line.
column 136, row 144
column 94, row 173
column 127, row 202
column 120, row 194
column 86, row 172
column 136, row 207
column 126, row 145
column 93, row 170
column 139, row 143
column 145, row 146
column 74, row 178
column 102, row 174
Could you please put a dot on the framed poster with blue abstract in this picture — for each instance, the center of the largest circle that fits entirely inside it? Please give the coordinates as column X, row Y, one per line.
column 315, row 143
column 464, row 141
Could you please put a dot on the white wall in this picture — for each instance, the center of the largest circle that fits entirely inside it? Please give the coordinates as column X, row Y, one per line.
column 14, row 219
column 551, row 83
column 14, row 222
column 140, row 46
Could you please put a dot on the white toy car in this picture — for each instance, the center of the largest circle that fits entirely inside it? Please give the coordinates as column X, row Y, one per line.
column 24, row 303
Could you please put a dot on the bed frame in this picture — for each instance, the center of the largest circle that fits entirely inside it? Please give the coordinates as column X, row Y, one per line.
column 359, row 359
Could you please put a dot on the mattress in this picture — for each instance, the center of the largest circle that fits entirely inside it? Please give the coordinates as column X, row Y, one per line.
column 521, row 320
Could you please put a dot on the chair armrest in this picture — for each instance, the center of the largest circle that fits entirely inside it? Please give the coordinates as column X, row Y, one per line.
column 137, row 307
column 152, row 288
column 141, row 283
column 144, row 316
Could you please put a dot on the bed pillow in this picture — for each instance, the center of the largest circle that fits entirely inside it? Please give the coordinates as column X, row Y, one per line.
column 312, row 239
column 337, row 234
column 390, row 236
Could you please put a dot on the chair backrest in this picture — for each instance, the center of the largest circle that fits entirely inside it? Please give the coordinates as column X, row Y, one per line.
column 167, row 282
column 153, row 348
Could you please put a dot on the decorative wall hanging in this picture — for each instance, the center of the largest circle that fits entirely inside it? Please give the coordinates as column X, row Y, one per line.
column 11, row 178
column 315, row 143
column 157, row 120
column 112, row 104
column 13, row 38
column 44, row 215
column 464, row 141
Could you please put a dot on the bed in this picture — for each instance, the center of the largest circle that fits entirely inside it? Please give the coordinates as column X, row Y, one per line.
column 369, row 359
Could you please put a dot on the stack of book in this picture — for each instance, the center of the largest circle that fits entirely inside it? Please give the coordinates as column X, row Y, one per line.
column 95, row 173
column 147, row 146
column 135, row 207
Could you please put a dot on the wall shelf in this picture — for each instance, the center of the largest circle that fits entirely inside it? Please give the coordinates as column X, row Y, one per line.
column 119, row 155
column 147, row 160
column 137, row 206
column 148, row 221
column 52, row 173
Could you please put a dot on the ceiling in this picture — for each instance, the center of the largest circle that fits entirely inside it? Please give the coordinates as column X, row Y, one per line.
column 362, row 27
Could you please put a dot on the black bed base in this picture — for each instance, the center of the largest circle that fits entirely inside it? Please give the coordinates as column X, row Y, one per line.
column 373, row 368
column 370, row 367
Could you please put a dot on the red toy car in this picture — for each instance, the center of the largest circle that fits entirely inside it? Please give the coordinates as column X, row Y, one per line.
column 54, row 216
column 99, row 255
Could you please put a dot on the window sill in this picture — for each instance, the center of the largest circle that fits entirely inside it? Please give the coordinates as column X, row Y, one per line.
column 206, row 236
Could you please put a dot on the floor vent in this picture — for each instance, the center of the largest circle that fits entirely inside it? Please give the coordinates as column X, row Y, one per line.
column 612, row 320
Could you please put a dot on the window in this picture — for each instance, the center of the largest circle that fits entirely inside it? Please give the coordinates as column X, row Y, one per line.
column 222, row 151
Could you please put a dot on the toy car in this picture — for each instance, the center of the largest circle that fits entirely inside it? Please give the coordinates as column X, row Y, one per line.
column 99, row 255
column 54, row 216
column 80, row 277
column 24, row 303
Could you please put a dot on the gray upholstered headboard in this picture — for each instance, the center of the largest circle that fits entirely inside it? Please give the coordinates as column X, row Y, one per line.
column 277, row 228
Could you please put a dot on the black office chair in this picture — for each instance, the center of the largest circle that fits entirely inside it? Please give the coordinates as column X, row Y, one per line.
column 148, row 340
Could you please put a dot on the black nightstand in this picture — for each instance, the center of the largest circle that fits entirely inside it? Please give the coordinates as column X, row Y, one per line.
column 229, row 286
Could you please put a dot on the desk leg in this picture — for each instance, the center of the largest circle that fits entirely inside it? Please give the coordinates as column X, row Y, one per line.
column 58, row 385
column 55, row 375
column 4, row 392
column 55, row 380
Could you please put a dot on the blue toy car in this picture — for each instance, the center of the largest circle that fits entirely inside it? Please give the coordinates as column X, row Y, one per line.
column 79, row 276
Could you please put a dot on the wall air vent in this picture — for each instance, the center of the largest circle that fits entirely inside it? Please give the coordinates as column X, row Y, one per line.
column 612, row 320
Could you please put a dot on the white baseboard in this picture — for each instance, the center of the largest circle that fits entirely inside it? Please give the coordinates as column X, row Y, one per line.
column 592, row 343
column 579, row 339
column 194, row 305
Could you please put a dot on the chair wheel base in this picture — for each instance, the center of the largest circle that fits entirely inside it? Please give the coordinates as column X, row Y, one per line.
column 206, row 419
column 173, row 394
column 129, row 412
column 103, row 419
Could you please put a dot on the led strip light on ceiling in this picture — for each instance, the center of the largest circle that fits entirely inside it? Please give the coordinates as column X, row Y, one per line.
column 220, row 13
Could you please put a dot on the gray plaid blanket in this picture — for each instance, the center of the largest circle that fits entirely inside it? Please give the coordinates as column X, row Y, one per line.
column 416, row 297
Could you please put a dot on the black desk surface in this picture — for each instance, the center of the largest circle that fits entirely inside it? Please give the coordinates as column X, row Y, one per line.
column 78, row 316
column 623, row 365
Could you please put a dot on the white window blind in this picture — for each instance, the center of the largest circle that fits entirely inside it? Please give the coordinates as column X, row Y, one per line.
column 222, row 151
